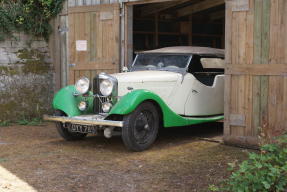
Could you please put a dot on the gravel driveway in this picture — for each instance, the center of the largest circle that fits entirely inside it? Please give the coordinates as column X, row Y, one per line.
column 37, row 159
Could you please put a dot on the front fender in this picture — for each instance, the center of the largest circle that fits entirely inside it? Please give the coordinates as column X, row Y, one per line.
column 65, row 101
column 130, row 101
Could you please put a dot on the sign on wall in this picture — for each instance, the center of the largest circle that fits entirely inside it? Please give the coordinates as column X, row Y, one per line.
column 81, row 45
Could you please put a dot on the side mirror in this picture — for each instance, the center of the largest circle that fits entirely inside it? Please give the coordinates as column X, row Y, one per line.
column 125, row 69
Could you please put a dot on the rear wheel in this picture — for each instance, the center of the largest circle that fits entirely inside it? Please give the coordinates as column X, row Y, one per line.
column 141, row 127
column 65, row 133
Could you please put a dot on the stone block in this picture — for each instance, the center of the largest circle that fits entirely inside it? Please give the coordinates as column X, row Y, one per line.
column 4, row 57
column 38, row 44
column 5, row 44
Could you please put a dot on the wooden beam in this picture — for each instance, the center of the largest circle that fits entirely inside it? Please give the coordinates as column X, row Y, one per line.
column 155, row 8
column 217, row 15
column 190, row 30
column 257, row 69
column 206, row 4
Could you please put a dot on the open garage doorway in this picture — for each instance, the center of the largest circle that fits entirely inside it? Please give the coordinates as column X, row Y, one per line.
column 177, row 23
column 173, row 23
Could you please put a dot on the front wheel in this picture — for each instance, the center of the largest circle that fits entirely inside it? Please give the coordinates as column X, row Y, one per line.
column 65, row 133
column 141, row 127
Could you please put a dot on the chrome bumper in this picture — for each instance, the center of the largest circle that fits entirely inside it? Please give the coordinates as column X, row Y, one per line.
column 96, row 120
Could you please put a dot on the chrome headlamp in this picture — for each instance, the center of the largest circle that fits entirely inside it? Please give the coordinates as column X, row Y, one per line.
column 82, row 85
column 106, row 87
column 107, row 84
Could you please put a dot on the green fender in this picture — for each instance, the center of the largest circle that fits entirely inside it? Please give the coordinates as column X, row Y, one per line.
column 65, row 101
column 130, row 101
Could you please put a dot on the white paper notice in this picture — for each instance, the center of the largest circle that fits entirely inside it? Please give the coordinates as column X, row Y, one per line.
column 81, row 45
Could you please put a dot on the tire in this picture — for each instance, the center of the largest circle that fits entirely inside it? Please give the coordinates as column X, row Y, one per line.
column 140, row 127
column 65, row 133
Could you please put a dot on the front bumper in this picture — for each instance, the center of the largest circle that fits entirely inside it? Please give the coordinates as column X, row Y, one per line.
column 95, row 120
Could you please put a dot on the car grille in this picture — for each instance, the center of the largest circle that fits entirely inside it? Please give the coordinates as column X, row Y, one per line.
column 99, row 99
column 98, row 103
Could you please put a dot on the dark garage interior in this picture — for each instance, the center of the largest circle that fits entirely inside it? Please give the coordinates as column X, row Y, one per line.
column 178, row 23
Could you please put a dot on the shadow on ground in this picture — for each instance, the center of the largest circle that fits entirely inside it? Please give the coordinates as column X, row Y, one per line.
column 179, row 160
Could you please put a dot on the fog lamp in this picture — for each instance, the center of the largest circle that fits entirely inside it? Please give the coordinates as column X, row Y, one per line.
column 106, row 107
column 83, row 106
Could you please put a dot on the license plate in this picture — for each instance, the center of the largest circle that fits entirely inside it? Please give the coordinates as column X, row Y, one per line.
column 82, row 129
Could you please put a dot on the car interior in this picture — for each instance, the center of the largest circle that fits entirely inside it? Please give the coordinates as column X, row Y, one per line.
column 205, row 75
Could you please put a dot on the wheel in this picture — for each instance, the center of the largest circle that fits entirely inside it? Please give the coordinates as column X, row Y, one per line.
column 65, row 133
column 140, row 127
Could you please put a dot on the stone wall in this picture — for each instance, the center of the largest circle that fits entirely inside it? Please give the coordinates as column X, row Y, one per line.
column 26, row 78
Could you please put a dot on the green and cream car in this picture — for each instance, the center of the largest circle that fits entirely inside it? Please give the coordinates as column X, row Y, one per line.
column 167, row 87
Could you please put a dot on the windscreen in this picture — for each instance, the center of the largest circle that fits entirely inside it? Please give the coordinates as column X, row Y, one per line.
column 160, row 62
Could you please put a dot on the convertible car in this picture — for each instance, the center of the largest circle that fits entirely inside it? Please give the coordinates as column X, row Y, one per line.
column 167, row 87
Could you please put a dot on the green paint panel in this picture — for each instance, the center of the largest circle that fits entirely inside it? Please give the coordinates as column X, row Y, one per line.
column 129, row 103
column 65, row 101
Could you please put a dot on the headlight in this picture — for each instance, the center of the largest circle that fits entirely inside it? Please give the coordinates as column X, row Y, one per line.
column 83, row 106
column 106, row 87
column 106, row 107
column 82, row 85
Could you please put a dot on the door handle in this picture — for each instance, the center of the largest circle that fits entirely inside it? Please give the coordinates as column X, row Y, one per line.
column 72, row 65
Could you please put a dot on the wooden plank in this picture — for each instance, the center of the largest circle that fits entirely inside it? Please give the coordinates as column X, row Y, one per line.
column 258, row 6
column 72, row 48
column 249, row 33
column 97, row 8
column 217, row 15
column 256, row 105
column 276, row 106
column 242, row 30
column 156, row 36
column 228, row 55
column 93, row 34
column 248, row 104
column 227, row 104
column 195, row 8
column 128, row 47
column 257, row 31
column 242, row 141
column 190, row 30
column 63, row 51
column 140, row 2
column 257, row 69
column 155, row 8
column 283, row 44
column 264, row 80
column 284, row 118
column 228, row 32
column 235, row 35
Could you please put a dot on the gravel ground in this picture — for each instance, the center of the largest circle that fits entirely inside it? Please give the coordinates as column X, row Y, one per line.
column 37, row 159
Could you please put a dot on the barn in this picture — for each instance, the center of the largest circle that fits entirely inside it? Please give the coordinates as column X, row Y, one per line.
column 92, row 36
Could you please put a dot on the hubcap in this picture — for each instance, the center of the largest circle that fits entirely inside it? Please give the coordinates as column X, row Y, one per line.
column 143, row 126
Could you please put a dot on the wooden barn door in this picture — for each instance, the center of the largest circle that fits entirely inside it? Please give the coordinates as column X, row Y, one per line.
column 93, row 40
column 256, row 81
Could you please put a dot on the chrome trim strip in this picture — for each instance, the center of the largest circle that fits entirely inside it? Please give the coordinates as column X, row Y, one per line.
column 84, row 120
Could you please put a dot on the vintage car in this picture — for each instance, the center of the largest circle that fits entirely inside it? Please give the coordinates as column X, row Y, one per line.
column 167, row 87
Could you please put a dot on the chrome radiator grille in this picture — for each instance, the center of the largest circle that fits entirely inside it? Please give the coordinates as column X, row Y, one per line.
column 99, row 98
column 98, row 103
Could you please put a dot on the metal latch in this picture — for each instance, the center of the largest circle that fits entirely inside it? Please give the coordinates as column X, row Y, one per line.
column 72, row 65
column 63, row 29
